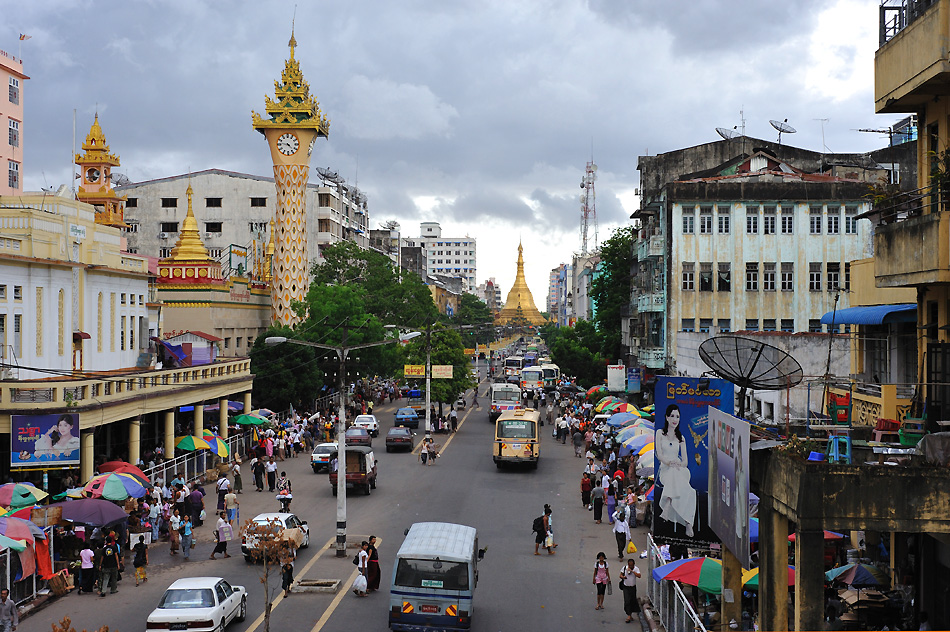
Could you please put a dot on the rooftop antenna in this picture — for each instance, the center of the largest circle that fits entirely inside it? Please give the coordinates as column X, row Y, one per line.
column 783, row 128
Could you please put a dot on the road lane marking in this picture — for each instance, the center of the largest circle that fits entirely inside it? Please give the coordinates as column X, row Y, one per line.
column 280, row 597
column 339, row 597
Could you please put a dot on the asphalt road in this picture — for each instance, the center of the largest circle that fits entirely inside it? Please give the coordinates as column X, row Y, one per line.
column 516, row 591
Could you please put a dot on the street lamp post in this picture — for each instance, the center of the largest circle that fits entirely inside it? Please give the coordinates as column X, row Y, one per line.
column 341, row 353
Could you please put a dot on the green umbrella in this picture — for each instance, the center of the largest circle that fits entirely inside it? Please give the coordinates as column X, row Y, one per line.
column 249, row 420
column 191, row 443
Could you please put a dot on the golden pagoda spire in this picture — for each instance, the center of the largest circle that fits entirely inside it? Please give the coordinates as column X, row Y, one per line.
column 520, row 306
column 189, row 246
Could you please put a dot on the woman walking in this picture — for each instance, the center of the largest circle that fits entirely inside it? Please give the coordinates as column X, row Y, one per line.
column 598, row 501
column 628, row 584
column 186, row 536
column 601, row 579
column 219, row 536
column 236, row 475
column 174, row 537
column 585, row 490
column 372, row 578
column 140, row 561
column 549, row 530
column 621, row 529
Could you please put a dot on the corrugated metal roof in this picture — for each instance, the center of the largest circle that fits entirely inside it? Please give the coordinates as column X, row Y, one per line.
column 873, row 315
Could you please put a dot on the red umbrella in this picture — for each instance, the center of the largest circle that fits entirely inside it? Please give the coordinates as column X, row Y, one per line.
column 829, row 535
column 125, row 468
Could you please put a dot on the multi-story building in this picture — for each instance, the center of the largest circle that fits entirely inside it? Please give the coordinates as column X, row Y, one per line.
column 551, row 299
column 584, row 269
column 11, row 118
column 236, row 210
column 560, row 294
column 413, row 257
column 490, row 293
column 449, row 256
column 387, row 242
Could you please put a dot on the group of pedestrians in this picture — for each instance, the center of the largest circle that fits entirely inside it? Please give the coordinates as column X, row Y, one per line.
column 367, row 562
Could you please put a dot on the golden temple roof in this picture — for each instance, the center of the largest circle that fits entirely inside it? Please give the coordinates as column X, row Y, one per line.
column 520, row 304
column 97, row 151
column 294, row 106
column 189, row 246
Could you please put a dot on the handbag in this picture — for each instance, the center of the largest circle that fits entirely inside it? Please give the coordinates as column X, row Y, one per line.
column 225, row 533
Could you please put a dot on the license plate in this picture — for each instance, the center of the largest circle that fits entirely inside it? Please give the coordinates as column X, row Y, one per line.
column 516, row 446
column 177, row 626
column 428, row 608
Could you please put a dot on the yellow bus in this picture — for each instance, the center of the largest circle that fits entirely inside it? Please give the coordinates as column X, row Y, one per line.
column 517, row 438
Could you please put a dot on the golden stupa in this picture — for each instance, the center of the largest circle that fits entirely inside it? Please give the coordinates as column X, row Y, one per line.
column 519, row 309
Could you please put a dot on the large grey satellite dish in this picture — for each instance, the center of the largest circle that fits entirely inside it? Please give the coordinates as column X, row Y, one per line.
column 728, row 134
column 783, row 128
column 751, row 364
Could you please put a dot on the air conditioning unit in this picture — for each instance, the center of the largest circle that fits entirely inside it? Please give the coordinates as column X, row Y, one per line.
column 163, row 235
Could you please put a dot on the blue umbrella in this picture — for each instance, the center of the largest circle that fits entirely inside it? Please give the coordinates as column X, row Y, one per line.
column 753, row 529
column 634, row 444
column 620, row 419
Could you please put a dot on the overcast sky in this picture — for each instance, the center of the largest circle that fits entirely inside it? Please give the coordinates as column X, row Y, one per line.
column 479, row 115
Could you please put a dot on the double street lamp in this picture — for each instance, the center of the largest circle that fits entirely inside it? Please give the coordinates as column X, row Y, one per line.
column 342, row 351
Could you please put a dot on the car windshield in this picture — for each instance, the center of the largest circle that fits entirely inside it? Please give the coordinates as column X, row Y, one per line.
column 515, row 429
column 432, row 574
column 363, row 419
column 359, row 432
column 179, row 598
column 325, row 449
column 399, row 432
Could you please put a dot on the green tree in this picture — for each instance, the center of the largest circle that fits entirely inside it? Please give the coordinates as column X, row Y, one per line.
column 474, row 313
column 575, row 350
column 447, row 348
column 610, row 290
column 284, row 374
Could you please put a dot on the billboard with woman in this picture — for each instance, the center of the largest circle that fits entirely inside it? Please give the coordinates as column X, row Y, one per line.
column 682, row 453
column 44, row 440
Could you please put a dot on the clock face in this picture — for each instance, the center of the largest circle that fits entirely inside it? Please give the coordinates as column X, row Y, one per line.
column 92, row 174
column 310, row 149
column 288, row 144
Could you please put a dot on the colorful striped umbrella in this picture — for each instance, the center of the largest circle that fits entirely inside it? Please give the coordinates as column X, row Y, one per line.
column 594, row 391
column 605, row 402
column 216, row 444
column 20, row 495
column 750, row 579
column 643, row 452
column 20, row 529
column 703, row 572
column 857, row 575
column 249, row 420
column 191, row 443
column 829, row 535
column 621, row 418
column 126, row 468
column 14, row 545
column 263, row 412
column 632, row 440
column 114, row 486
column 632, row 431
column 649, row 409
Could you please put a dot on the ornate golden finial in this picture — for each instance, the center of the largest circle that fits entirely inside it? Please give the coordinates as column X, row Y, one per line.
column 269, row 255
column 189, row 246
column 292, row 43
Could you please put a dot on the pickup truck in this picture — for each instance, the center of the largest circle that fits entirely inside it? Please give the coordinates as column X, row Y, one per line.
column 360, row 469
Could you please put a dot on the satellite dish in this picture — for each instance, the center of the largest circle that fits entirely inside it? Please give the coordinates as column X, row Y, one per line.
column 329, row 176
column 751, row 364
column 593, row 167
column 783, row 128
column 728, row 134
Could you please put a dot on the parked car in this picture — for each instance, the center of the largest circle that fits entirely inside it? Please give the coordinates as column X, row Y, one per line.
column 358, row 436
column 320, row 459
column 292, row 529
column 197, row 604
column 368, row 422
column 399, row 438
column 360, row 469
column 407, row 417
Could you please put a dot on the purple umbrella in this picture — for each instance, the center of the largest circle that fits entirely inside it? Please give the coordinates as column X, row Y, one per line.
column 93, row 512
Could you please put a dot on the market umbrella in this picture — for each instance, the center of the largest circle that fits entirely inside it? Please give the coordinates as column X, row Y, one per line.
column 20, row 495
column 93, row 512
column 23, row 512
column 216, row 444
column 703, row 572
column 263, row 412
column 620, row 418
column 191, row 443
column 20, row 529
column 9, row 543
column 114, row 486
column 645, row 450
column 649, row 494
column 249, row 420
column 750, row 579
column 594, row 391
column 604, row 403
column 857, row 575
column 829, row 535
column 126, row 468
column 645, row 468
column 649, row 409
column 634, row 442
column 753, row 529
column 634, row 431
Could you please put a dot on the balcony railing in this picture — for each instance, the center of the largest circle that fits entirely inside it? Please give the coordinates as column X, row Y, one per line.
column 109, row 389
column 896, row 15
column 871, row 402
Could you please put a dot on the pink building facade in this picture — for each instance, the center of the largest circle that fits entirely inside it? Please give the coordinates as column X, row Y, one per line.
column 12, row 81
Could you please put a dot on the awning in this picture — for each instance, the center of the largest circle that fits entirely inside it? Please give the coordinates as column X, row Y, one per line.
column 873, row 315
column 80, row 335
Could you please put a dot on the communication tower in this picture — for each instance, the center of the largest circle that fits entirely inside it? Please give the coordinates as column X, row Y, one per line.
column 588, row 206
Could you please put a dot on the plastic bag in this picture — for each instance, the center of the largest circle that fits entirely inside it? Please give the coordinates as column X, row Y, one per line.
column 549, row 541
column 202, row 515
column 359, row 584
column 631, row 547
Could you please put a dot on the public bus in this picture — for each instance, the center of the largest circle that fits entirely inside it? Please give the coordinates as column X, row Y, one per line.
column 504, row 397
column 517, row 438
column 531, row 358
column 434, row 578
column 513, row 365
column 552, row 375
column 532, row 378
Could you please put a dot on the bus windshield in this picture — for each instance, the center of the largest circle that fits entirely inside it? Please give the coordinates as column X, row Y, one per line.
column 504, row 393
column 413, row 573
column 516, row 429
column 533, row 375
column 550, row 373
column 514, row 363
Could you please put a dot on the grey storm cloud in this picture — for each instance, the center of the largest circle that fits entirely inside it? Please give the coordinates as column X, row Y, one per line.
column 480, row 115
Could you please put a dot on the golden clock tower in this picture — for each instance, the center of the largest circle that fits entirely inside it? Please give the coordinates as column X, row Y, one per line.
column 294, row 125
column 95, row 177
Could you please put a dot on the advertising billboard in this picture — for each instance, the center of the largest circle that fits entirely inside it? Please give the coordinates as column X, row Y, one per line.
column 729, row 473
column 442, row 371
column 633, row 379
column 681, row 497
column 414, row 370
column 616, row 378
column 44, row 440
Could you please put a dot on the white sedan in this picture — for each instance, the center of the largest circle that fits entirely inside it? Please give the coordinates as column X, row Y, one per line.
column 368, row 423
column 197, row 604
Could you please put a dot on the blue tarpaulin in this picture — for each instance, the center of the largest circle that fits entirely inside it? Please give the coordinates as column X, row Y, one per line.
column 873, row 315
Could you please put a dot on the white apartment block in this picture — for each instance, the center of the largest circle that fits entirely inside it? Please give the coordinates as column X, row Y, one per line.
column 449, row 256
column 236, row 209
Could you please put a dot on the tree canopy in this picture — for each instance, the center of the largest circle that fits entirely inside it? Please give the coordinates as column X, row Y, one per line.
column 610, row 290
column 446, row 349
column 575, row 351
